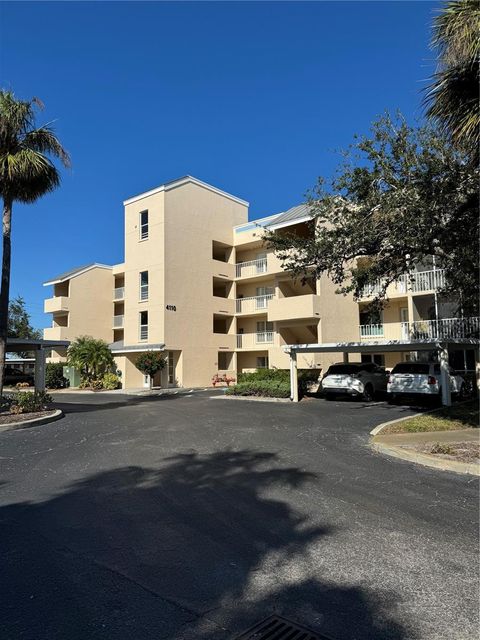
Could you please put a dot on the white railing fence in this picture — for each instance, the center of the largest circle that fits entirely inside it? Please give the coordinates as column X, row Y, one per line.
column 253, row 303
column 251, row 268
column 118, row 321
column 416, row 281
column 144, row 332
column 254, row 340
column 423, row 329
column 119, row 293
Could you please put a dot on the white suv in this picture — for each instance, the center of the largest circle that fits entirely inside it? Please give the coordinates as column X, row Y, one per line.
column 357, row 379
column 408, row 378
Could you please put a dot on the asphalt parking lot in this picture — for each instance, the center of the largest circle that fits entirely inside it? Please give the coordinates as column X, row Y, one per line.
column 186, row 517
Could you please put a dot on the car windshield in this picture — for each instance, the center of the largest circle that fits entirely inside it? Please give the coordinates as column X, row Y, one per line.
column 339, row 369
column 411, row 367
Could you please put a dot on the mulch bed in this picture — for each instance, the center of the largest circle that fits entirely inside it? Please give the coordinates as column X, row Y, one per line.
column 460, row 451
column 10, row 418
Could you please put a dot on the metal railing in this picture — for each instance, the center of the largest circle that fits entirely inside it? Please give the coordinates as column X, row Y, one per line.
column 416, row 281
column 254, row 340
column 119, row 293
column 118, row 321
column 144, row 332
column 251, row 268
column 444, row 328
column 424, row 280
column 253, row 303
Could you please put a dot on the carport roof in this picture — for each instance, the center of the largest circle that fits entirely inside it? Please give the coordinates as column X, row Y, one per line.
column 375, row 346
column 30, row 344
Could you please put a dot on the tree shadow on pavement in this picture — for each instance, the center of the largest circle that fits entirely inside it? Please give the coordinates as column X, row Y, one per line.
column 200, row 547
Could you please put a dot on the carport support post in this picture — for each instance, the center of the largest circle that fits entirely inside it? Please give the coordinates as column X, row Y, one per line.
column 345, row 357
column 40, row 370
column 293, row 377
column 445, row 378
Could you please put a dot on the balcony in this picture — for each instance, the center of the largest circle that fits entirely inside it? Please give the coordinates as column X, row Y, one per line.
column 56, row 333
column 118, row 322
column 223, row 306
column 253, row 304
column 255, row 341
column 445, row 328
column 56, row 304
column 119, row 293
column 294, row 308
column 415, row 282
column 260, row 267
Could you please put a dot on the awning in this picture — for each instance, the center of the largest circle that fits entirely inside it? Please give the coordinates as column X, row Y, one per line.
column 119, row 348
column 376, row 346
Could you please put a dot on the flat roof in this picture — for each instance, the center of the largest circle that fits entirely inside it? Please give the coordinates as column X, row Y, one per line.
column 376, row 346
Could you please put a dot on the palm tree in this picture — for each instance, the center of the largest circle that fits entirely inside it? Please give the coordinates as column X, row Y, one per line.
column 26, row 174
column 453, row 97
column 91, row 357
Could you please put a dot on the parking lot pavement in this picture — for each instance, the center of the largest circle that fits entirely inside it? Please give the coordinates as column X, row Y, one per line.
column 183, row 517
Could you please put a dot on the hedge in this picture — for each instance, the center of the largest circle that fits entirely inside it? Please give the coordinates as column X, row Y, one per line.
column 272, row 383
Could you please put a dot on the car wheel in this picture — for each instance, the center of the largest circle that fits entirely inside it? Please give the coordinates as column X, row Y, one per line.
column 368, row 393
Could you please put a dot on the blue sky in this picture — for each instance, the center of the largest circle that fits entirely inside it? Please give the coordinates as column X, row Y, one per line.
column 255, row 98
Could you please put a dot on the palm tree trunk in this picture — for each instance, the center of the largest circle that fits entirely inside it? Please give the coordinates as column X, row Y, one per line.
column 5, row 286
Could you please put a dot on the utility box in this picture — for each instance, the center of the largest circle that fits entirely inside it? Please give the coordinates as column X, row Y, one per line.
column 72, row 375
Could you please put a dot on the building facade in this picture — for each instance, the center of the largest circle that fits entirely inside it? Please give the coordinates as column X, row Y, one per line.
column 199, row 285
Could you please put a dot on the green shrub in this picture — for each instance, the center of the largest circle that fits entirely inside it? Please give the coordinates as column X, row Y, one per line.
column 111, row 381
column 272, row 383
column 96, row 385
column 54, row 378
column 6, row 402
column 29, row 401
column 265, row 388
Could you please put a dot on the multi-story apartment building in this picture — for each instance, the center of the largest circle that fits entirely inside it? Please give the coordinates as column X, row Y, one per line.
column 199, row 284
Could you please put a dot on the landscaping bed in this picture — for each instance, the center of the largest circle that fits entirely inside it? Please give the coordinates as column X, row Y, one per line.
column 460, row 416
column 468, row 452
column 11, row 418
column 272, row 383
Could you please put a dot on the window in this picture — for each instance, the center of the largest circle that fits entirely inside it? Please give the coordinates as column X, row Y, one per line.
column 264, row 331
column 143, row 285
column 262, row 362
column 263, row 295
column 171, row 368
column 261, row 262
column 143, row 325
column 143, row 225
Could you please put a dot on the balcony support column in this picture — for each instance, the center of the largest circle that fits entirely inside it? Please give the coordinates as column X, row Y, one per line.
column 40, row 369
column 293, row 377
column 445, row 377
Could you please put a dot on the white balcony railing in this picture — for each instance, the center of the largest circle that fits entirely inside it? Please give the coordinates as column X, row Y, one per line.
column 251, row 268
column 144, row 332
column 119, row 293
column 255, row 340
column 253, row 303
column 424, row 280
column 448, row 328
column 118, row 321
column 144, row 292
column 416, row 282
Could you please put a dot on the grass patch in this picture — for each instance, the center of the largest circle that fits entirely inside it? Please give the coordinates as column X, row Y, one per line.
column 462, row 416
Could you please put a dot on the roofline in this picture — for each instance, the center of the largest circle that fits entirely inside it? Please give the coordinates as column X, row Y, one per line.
column 173, row 184
column 78, row 273
column 379, row 346
column 289, row 223
column 257, row 221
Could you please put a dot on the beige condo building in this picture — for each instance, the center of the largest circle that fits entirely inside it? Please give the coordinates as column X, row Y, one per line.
column 199, row 285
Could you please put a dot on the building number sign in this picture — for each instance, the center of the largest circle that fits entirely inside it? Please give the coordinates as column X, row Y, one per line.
column 171, row 307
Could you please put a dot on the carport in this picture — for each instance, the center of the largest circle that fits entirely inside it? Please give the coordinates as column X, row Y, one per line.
column 39, row 349
column 382, row 346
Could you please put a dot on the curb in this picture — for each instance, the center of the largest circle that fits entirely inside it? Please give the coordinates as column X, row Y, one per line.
column 33, row 422
column 426, row 460
column 250, row 398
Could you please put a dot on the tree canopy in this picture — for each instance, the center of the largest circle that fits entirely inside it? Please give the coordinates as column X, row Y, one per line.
column 402, row 194
column 19, row 325
column 91, row 357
